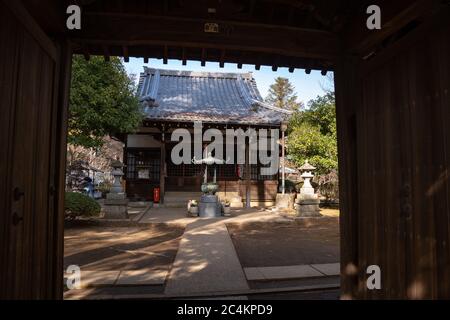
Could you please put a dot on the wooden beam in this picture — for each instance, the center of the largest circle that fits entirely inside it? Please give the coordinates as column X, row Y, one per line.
column 32, row 27
column 133, row 30
column 106, row 53
column 222, row 59
column 203, row 59
column 276, row 64
column 238, row 57
column 166, row 54
column 183, row 56
column 86, row 54
column 125, row 54
column 395, row 15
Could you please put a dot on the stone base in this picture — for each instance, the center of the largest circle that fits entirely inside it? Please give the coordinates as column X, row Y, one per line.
column 116, row 212
column 116, row 196
column 308, row 208
column 209, row 206
column 284, row 201
column 116, row 206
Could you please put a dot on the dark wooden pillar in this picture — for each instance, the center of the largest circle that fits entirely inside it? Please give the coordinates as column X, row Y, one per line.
column 248, row 175
column 162, row 182
column 347, row 101
column 60, row 155
column 125, row 162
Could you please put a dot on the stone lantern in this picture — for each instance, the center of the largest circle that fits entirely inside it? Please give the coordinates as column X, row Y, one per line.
column 307, row 175
column 209, row 202
column 307, row 200
column 117, row 173
column 116, row 202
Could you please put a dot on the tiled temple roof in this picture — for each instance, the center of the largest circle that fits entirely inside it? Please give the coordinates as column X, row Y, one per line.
column 173, row 95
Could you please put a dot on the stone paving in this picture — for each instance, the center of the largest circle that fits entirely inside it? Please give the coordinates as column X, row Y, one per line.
column 292, row 272
column 206, row 261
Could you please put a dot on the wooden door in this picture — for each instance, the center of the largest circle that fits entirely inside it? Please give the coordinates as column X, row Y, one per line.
column 393, row 114
column 32, row 133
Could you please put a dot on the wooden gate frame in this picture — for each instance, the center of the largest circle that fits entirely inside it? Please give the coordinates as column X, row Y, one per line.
column 350, row 69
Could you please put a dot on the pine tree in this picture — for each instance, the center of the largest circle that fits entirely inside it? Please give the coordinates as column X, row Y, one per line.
column 282, row 95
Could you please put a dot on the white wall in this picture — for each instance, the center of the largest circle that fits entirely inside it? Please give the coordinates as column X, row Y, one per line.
column 142, row 141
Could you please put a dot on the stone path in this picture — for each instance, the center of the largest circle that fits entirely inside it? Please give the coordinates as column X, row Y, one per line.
column 206, row 261
column 292, row 272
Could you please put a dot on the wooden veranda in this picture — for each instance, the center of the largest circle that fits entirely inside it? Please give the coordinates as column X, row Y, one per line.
column 393, row 109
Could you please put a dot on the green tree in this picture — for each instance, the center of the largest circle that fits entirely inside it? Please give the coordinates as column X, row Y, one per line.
column 282, row 95
column 321, row 112
column 312, row 135
column 102, row 101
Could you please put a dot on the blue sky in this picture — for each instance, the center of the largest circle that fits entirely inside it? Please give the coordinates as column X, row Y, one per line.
column 307, row 86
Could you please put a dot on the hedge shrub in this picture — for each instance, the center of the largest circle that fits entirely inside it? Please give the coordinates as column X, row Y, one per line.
column 80, row 205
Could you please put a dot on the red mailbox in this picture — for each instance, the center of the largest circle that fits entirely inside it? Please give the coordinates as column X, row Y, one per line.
column 156, row 195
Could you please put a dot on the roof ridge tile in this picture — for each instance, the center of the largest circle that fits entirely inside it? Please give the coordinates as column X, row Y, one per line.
column 199, row 74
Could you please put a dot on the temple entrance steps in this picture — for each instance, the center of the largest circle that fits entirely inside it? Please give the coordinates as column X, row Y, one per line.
column 180, row 199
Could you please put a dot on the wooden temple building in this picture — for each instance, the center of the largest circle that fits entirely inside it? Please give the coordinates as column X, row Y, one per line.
column 175, row 99
column 392, row 104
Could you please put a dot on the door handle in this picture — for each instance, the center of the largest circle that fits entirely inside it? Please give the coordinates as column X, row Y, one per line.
column 18, row 194
column 16, row 219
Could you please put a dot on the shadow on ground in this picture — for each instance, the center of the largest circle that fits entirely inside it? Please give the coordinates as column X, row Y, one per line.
column 105, row 248
column 298, row 242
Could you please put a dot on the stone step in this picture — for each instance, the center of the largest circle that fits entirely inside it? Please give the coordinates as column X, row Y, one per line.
column 178, row 199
